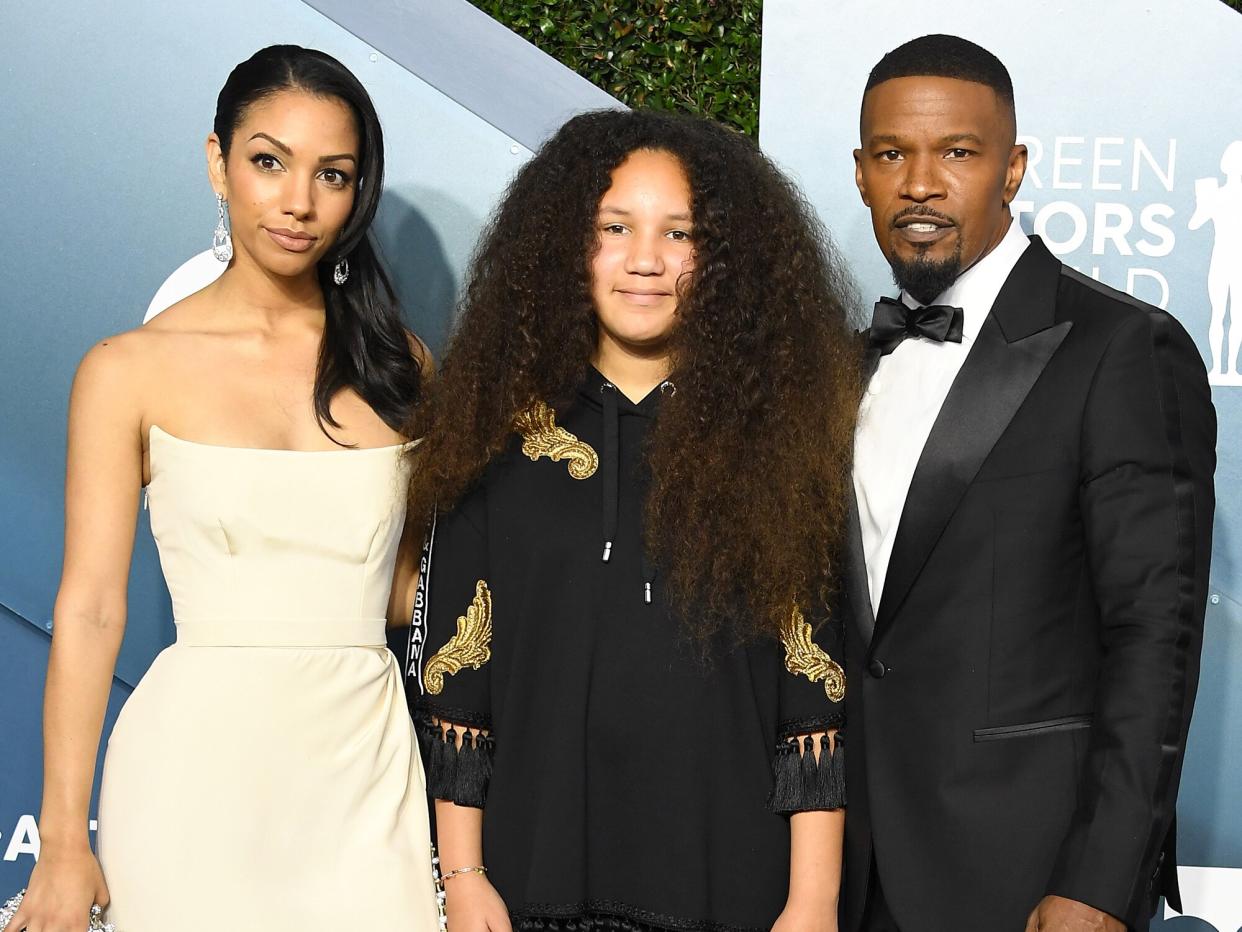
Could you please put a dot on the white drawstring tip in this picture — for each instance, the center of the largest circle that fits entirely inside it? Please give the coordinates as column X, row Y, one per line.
column 607, row 550
column 647, row 593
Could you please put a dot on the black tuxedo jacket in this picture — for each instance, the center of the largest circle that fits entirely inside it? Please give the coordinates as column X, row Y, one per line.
column 1018, row 704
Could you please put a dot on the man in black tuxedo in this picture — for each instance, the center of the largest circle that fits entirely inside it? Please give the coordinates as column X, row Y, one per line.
column 1033, row 479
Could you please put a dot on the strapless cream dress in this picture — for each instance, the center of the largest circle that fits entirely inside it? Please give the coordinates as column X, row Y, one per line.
column 264, row 775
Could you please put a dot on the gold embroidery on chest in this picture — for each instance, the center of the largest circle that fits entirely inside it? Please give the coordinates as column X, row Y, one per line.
column 541, row 437
column 470, row 647
column 803, row 656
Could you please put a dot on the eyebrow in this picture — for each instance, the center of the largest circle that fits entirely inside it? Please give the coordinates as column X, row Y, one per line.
column 944, row 140
column 285, row 149
column 962, row 137
column 625, row 213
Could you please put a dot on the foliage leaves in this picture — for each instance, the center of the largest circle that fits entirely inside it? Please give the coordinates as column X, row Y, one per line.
column 695, row 55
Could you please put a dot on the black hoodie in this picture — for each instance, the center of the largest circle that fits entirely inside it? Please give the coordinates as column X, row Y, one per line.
column 625, row 782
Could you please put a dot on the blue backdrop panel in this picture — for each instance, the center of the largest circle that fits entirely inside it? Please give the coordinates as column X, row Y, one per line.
column 23, row 665
column 105, row 113
column 1128, row 111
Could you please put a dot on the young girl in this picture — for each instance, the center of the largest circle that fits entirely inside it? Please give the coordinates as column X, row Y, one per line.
column 639, row 449
column 264, row 773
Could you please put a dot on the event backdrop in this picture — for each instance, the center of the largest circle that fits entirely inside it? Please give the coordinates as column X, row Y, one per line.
column 1131, row 115
column 1134, row 178
column 105, row 113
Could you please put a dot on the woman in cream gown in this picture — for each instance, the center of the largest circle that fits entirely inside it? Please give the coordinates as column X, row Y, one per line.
column 269, row 750
column 264, row 774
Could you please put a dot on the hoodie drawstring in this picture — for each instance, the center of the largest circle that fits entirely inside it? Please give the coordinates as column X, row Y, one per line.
column 649, row 575
column 608, row 466
column 610, row 476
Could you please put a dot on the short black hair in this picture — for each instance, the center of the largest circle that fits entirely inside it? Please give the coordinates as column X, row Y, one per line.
column 941, row 56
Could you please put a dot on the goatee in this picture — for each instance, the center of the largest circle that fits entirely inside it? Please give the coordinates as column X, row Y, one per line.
column 924, row 279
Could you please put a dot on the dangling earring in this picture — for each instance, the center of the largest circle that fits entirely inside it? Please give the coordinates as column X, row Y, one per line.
column 221, row 241
column 340, row 273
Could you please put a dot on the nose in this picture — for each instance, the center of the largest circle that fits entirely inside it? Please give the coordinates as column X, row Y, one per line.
column 922, row 181
column 299, row 196
column 644, row 257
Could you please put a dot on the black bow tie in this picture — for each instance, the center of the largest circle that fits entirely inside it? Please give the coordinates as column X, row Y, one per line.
column 892, row 322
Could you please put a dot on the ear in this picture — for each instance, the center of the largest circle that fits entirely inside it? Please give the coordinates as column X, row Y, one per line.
column 1015, row 172
column 858, row 177
column 215, row 166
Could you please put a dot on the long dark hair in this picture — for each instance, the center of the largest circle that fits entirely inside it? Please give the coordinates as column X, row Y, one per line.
column 365, row 346
column 750, row 456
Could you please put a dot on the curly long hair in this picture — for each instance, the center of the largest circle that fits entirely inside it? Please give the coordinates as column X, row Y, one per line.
column 750, row 457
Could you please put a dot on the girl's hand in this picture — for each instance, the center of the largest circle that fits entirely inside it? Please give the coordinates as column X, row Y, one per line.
column 63, row 887
column 473, row 905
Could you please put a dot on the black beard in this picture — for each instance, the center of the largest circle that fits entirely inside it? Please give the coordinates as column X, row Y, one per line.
column 923, row 279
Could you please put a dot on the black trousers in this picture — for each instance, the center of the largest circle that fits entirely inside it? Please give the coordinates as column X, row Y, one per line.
column 876, row 917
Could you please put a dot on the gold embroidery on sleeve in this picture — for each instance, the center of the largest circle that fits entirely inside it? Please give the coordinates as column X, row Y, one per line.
column 803, row 656
column 541, row 437
column 469, row 647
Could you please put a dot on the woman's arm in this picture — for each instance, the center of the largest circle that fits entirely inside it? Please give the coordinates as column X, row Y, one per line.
column 472, row 902
column 405, row 577
column 103, row 481
column 409, row 551
column 816, row 839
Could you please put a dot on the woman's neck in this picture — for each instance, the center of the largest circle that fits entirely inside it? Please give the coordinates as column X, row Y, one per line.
column 251, row 290
column 634, row 374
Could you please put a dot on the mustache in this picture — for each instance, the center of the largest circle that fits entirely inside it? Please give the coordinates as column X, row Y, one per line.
column 920, row 211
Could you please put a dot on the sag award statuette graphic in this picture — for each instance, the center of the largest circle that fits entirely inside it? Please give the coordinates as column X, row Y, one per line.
column 1222, row 205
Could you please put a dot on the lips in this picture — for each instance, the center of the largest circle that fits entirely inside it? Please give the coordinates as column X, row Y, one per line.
column 643, row 297
column 291, row 240
column 921, row 229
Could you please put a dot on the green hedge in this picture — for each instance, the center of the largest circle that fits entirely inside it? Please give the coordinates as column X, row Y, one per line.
column 696, row 55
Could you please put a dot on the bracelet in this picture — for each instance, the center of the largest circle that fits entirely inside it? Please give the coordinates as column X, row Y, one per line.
column 464, row 870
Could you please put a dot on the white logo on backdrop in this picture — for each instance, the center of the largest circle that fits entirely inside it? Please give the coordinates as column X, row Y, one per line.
column 193, row 275
column 24, row 839
column 1137, row 224
column 1213, row 894
column 1132, row 224
column 1222, row 205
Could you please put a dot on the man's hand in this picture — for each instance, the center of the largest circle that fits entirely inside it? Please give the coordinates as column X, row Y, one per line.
column 1057, row 914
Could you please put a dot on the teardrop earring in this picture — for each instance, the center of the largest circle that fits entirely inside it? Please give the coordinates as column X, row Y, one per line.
column 340, row 272
column 221, row 241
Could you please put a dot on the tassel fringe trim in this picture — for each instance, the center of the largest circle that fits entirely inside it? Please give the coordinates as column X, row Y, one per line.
column 456, row 773
column 801, row 783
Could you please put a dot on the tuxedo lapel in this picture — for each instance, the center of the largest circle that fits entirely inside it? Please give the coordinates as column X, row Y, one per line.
column 857, row 586
column 1017, row 340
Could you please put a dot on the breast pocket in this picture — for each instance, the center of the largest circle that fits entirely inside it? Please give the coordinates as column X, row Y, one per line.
column 1033, row 729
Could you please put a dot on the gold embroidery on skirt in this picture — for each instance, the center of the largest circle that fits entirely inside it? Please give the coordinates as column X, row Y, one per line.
column 469, row 647
column 803, row 656
column 541, row 437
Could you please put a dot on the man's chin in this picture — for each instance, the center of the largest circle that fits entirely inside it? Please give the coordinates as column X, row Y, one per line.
column 908, row 253
column 925, row 275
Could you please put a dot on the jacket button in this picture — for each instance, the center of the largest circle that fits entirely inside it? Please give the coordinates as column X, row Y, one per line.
column 877, row 669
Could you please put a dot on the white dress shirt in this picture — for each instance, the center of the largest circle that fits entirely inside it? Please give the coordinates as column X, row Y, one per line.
column 903, row 399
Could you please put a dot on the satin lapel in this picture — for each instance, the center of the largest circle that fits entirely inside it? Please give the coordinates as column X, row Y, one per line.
column 857, row 586
column 871, row 361
column 989, row 389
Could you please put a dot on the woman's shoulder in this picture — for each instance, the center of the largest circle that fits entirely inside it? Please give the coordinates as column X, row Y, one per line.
column 133, row 358
column 121, row 356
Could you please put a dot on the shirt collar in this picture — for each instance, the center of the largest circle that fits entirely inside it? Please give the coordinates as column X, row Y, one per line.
column 975, row 290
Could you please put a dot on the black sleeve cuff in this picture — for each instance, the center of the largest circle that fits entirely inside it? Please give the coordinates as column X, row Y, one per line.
column 801, row 783
column 459, row 774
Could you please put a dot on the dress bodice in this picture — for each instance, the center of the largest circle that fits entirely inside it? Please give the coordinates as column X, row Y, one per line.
column 276, row 547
